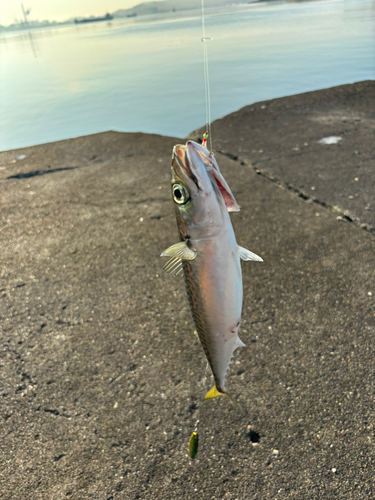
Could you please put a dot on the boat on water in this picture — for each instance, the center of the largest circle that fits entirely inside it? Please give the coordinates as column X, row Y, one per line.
column 92, row 19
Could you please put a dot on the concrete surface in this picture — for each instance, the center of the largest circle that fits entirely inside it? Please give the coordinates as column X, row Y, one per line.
column 102, row 378
column 280, row 139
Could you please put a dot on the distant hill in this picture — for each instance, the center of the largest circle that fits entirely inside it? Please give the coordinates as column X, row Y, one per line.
column 148, row 8
column 143, row 9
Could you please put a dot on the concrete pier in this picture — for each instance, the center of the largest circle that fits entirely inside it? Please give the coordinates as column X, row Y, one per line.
column 102, row 378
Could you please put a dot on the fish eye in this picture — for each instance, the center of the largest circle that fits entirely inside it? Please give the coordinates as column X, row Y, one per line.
column 180, row 194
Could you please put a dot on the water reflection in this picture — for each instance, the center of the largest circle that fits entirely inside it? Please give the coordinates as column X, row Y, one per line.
column 32, row 43
column 25, row 37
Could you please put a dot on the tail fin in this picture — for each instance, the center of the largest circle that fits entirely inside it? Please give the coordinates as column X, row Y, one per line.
column 214, row 393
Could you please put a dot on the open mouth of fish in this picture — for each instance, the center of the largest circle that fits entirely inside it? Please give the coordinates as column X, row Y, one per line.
column 191, row 158
column 185, row 156
column 180, row 156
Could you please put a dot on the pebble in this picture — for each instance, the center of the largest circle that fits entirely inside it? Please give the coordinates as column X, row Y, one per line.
column 333, row 139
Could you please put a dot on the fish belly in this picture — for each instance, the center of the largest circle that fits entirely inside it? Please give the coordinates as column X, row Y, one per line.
column 214, row 288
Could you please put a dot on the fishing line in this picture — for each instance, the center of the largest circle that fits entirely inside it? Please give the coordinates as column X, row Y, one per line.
column 194, row 438
column 207, row 93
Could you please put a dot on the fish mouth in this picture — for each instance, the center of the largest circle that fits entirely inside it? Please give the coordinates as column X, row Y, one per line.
column 179, row 159
column 182, row 165
column 189, row 159
column 197, row 150
column 199, row 154
column 197, row 167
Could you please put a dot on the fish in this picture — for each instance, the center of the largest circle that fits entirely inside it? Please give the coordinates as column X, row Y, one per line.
column 208, row 255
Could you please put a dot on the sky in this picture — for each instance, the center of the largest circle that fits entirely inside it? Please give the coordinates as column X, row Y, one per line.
column 60, row 10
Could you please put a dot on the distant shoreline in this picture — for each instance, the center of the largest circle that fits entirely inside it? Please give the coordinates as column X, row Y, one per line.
column 137, row 12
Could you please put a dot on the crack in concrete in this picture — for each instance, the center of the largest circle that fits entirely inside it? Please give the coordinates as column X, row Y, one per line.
column 340, row 215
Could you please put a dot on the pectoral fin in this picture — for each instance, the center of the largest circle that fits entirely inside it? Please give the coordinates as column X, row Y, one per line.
column 247, row 255
column 174, row 266
column 181, row 251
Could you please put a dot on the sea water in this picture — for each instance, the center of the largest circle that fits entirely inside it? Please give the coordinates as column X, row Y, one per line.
column 146, row 74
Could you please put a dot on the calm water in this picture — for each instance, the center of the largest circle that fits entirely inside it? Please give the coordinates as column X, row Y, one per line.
column 147, row 75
